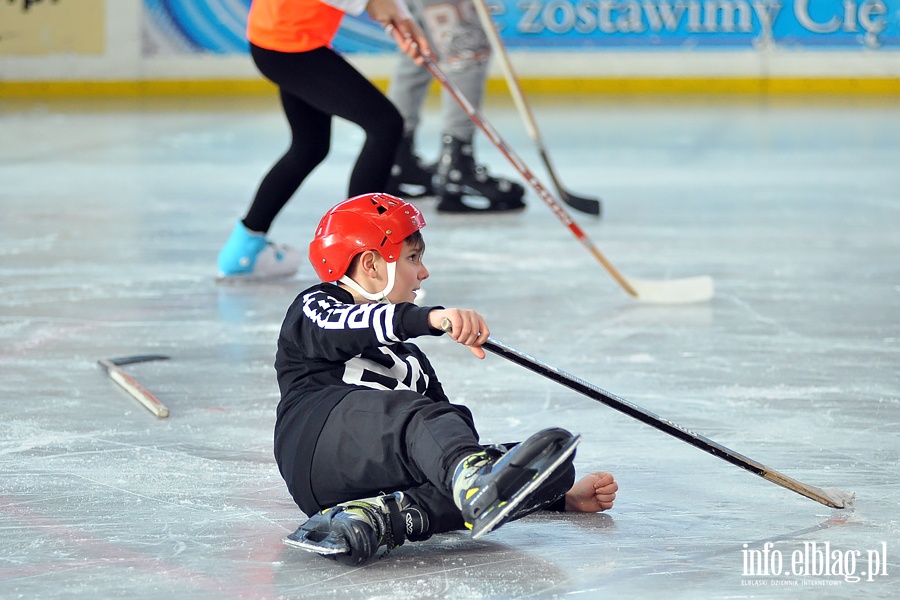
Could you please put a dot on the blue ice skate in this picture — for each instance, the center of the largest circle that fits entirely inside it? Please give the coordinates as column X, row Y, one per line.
column 251, row 256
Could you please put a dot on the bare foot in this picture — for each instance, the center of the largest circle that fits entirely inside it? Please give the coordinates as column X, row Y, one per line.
column 592, row 493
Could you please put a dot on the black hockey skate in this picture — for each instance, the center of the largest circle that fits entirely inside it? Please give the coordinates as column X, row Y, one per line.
column 490, row 487
column 460, row 178
column 410, row 178
column 351, row 532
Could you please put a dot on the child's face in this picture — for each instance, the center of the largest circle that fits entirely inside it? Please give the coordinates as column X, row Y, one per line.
column 410, row 273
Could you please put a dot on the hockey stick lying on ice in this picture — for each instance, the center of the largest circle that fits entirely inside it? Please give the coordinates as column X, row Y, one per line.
column 671, row 291
column 832, row 497
column 113, row 367
column 590, row 206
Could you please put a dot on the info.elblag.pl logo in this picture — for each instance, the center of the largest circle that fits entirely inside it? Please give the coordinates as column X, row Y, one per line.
column 813, row 563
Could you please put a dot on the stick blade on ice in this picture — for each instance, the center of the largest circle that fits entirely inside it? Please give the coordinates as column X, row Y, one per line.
column 674, row 291
column 590, row 206
column 839, row 498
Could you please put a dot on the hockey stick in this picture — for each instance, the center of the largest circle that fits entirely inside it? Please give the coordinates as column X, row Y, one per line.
column 832, row 497
column 587, row 205
column 127, row 382
column 672, row 291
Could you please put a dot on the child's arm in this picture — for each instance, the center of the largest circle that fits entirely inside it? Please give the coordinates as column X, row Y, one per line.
column 323, row 326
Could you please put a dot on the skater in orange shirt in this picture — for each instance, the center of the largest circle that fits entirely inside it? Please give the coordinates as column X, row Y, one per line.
column 290, row 43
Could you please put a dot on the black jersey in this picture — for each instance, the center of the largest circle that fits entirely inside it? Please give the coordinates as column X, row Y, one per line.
column 329, row 344
column 327, row 348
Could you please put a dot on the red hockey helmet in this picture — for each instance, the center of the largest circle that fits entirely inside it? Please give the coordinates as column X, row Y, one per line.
column 378, row 222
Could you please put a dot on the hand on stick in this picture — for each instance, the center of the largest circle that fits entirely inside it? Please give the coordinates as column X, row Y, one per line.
column 394, row 16
column 463, row 325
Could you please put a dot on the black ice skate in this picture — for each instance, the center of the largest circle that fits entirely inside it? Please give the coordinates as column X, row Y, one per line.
column 351, row 532
column 460, row 178
column 490, row 486
column 410, row 178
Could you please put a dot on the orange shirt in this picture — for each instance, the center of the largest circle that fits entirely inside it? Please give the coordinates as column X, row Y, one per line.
column 292, row 25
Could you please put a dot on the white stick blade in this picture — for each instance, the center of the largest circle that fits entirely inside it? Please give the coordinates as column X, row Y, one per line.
column 674, row 291
column 839, row 498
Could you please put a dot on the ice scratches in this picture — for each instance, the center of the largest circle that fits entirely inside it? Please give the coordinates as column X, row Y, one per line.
column 777, row 392
column 448, row 566
column 698, row 557
column 32, row 438
column 761, row 318
column 46, row 336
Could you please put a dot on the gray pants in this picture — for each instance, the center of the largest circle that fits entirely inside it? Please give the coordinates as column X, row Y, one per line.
column 463, row 50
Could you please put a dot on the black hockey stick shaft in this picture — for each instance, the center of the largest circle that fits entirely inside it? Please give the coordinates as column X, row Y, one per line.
column 584, row 204
column 831, row 497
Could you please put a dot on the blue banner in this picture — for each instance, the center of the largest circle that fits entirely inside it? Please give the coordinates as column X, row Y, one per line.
column 217, row 26
column 569, row 24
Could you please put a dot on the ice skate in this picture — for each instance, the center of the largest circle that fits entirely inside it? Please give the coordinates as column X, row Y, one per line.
column 352, row 532
column 251, row 256
column 464, row 186
column 410, row 177
column 490, row 486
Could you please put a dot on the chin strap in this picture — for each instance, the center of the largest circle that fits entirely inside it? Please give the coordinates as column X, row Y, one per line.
column 380, row 297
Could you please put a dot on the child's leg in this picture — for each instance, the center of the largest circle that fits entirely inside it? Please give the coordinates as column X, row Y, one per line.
column 442, row 512
column 294, row 74
column 384, row 441
column 446, row 516
column 378, row 441
column 551, row 494
column 310, row 141
column 314, row 86
column 491, row 488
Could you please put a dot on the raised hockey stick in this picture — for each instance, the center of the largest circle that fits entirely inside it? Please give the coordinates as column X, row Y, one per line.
column 670, row 291
column 587, row 205
column 832, row 497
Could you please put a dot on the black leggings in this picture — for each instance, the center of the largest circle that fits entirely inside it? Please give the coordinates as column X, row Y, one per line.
column 314, row 86
column 377, row 442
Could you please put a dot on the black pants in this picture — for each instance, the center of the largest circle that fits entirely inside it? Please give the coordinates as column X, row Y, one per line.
column 314, row 86
column 377, row 442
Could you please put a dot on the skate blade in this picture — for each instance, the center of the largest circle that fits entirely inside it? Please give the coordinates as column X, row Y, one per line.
column 497, row 519
column 295, row 540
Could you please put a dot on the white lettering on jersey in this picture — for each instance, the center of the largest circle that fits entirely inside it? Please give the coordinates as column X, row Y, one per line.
column 332, row 315
column 394, row 374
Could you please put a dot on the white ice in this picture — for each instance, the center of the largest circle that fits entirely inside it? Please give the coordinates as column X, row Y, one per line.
column 114, row 212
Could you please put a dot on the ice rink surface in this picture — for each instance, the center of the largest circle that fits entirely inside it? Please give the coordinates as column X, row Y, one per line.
column 115, row 211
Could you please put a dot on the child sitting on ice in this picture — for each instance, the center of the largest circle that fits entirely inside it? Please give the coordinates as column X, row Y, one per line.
column 365, row 438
